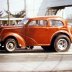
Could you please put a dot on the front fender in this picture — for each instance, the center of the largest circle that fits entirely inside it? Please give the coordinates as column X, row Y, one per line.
column 20, row 40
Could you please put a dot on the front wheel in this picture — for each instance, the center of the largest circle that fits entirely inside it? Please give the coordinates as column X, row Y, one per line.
column 61, row 43
column 10, row 45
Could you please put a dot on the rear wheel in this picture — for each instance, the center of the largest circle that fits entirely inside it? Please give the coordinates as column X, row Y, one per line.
column 61, row 43
column 10, row 45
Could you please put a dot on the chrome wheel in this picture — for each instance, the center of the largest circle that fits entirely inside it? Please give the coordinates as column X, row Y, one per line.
column 10, row 45
column 62, row 44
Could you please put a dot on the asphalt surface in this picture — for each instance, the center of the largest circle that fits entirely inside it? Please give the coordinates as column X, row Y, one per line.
column 36, row 60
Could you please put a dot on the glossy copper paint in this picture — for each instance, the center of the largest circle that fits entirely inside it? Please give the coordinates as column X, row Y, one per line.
column 34, row 35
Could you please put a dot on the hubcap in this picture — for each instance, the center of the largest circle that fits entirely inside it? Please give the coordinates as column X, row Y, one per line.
column 62, row 44
column 10, row 45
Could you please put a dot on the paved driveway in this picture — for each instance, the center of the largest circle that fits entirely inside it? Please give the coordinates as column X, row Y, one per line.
column 36, row 60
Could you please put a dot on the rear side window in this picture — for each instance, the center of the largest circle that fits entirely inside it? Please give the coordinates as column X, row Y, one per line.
column 43, row 22
column 38, row 23
column 33, row 23
column 56, row 23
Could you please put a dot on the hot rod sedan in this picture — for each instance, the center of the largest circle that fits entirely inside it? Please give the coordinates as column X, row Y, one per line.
column 49, row 32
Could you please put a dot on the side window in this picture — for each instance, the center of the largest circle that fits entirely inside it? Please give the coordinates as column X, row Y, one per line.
column 56, row 23
column 33, row 23
column 43, row 22
column 38, row 23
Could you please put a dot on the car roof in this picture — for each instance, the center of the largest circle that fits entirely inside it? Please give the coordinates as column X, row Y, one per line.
column 45, row 18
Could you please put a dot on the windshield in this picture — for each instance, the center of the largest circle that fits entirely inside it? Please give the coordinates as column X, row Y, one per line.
column 24, row 21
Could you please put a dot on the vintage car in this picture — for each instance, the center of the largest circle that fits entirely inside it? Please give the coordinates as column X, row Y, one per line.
column 49, row 32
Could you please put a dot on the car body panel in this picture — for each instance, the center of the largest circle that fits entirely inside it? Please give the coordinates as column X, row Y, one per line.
column 35, row 35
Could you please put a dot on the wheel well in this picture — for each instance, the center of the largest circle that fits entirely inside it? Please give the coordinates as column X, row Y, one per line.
column 10, row 37
column 58, row 35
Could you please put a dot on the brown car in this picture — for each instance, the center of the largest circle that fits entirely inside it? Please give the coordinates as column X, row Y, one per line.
column 50, row 32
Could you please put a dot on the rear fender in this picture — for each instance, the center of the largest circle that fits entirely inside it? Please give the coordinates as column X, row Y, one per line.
column 60, row 33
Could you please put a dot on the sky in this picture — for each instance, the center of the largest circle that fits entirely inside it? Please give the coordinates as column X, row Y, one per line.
column 18, row 5
column 15, row 5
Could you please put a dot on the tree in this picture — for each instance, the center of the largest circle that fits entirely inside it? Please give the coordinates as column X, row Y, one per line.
column 18, row 15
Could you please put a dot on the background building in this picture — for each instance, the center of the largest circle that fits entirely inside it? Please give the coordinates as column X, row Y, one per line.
column 48, row 7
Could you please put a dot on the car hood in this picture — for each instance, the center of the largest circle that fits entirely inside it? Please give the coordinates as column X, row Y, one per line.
column 9, row 27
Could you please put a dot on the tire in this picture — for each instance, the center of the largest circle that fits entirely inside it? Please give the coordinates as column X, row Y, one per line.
column 10, row 45
column 61, row 43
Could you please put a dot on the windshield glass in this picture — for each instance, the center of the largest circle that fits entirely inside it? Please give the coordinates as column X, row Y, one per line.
column 24, row 21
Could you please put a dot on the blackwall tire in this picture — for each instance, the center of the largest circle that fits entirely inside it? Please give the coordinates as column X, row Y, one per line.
column 10, row 45
column 61, row 43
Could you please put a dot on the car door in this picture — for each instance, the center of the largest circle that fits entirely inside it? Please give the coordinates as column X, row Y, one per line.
column 38, row 32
